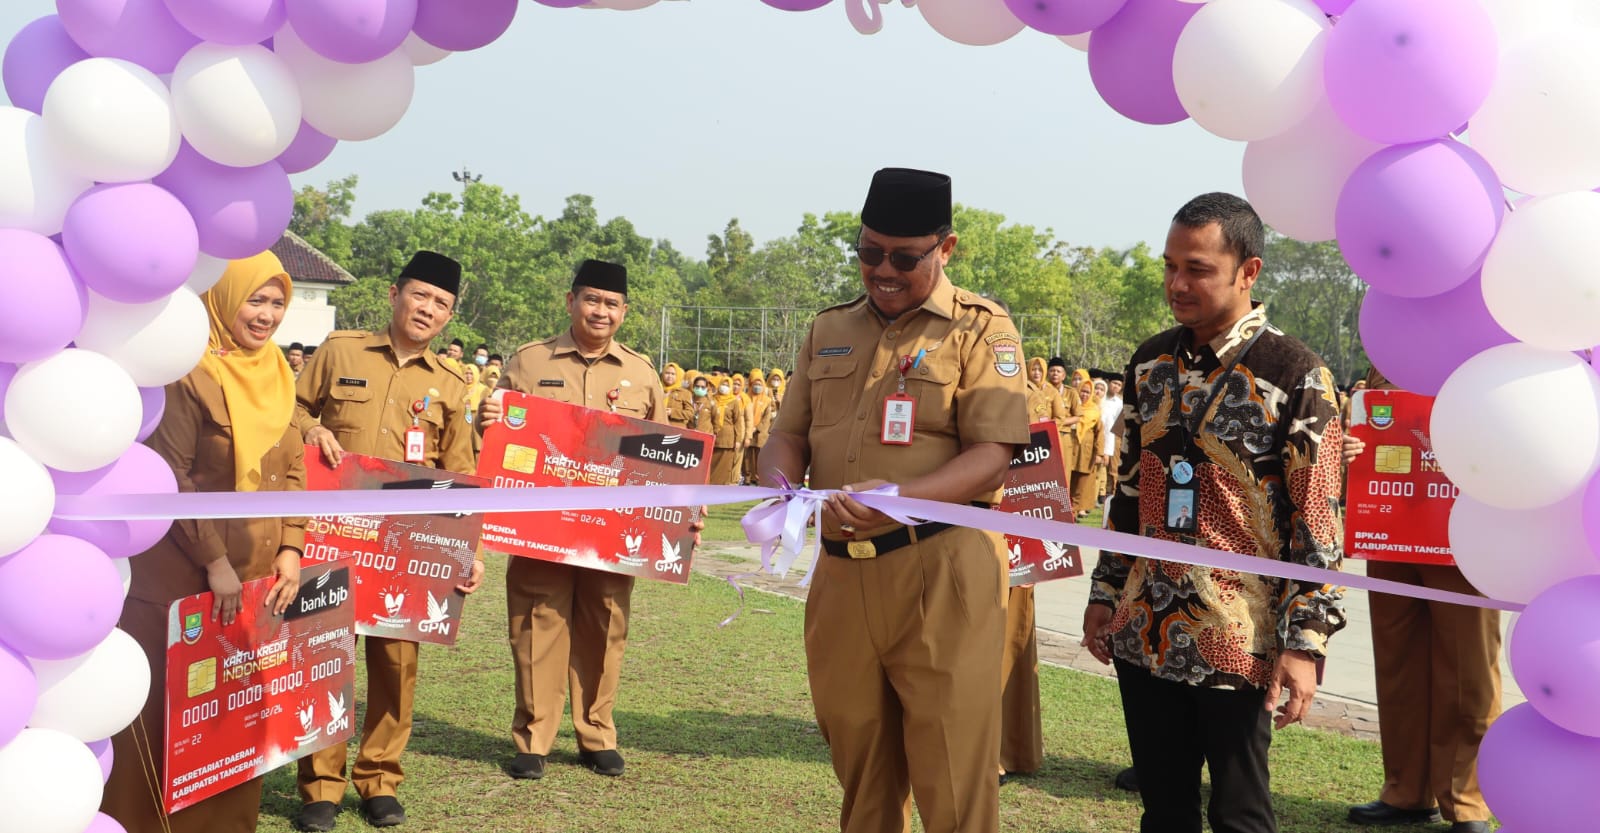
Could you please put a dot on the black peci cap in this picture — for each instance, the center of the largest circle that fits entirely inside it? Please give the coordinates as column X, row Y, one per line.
column 434, row 268
column 610, row 277
column 905, row 202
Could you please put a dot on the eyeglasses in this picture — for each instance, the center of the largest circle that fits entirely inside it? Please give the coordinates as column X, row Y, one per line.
column 872, row 257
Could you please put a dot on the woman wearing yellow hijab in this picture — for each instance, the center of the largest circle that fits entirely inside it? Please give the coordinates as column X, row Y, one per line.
column 671, row 377
column 1085, row 488
column 776, row 382
column 762, row 410
column 730, row 433
column 226, row 428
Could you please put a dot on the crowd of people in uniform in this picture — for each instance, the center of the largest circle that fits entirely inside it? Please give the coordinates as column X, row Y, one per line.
column 917, row 387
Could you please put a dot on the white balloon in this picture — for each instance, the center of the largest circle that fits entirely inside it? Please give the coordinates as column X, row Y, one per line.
column 125, row 570
column 351, row 102
column 35, row 185
column 156, row 343
column 1515, row 554
column 1293, row 179
column 75, row 411
column 1540, row 125
column 92, row 696
column 237, row 105
column 421, row 52
column 111, row 121
column 27, row 497
column 972, row 22
column 49, row 783
column 1079, row 41
column 1539, row 280
column 1251, row 69
column 207, row 271
column 1480, row 418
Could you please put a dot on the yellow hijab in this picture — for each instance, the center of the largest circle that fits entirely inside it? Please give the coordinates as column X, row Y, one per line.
column 257, row 385
column 1044, row 370
column 1089, row 420
column 677, row 379
column 723, row 399
column 758, row 401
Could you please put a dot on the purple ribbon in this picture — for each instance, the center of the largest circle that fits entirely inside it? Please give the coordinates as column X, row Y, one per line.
column 778, row 523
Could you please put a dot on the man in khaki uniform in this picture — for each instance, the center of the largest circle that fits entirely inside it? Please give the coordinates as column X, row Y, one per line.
column 902, row 624
column 362, row 393
column 569, row 625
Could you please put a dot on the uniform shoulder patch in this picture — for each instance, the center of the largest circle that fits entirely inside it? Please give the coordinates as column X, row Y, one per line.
column 1006, row 361
column 994, row 337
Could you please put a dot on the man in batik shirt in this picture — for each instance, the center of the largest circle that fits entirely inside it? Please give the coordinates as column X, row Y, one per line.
column 1228, row 415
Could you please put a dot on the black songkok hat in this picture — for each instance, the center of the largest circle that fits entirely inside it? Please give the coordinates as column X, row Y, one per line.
column 1057, row 361
column 434, row 268
column 905, row 202
column 610, row 277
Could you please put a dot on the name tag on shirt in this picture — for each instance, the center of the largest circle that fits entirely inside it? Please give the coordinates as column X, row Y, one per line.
column 552, row 383
column 899, row 417
column 355, row 383
column 416, row 445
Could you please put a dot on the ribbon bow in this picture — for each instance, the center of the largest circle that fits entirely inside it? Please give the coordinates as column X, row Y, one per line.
column 779, row 523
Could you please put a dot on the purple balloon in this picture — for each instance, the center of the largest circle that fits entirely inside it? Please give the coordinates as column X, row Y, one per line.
column 1417, row 220
column 786, row 5
column 1555, row 654
column 35, row 57
column 1410, row 70
column 1418, row 342
column 563, row 4
column 1334, row 6
column 18, row 693
column 233, row 22
column 131, row 242
column 154, row 402
column 309, row 148
column 59, row 596
column 1064, row 17
column 462, row 25
column 352, row 31
column 103, row 753
column 102, row 823
column 239, row 212
column 37, row 269
column 141, row 31
column 1537, row 775
column 1130, row 59
column 139, row 471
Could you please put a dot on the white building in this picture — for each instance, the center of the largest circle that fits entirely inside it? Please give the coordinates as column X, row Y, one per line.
column 310, row 315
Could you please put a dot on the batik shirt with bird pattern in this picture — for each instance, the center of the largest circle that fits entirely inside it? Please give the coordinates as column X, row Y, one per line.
column 1267, row 471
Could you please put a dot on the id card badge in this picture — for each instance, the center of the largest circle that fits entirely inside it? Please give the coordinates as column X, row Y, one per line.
column 416, row 444
column 1183, row 499
column 899, row 416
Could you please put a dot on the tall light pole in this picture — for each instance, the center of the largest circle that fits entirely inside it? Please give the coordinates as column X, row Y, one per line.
column 466, row 178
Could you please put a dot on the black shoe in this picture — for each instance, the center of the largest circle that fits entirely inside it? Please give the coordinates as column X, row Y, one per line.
column 1128, row 780
column 1469, row 827
column 526, row 766
column 1378, row 813
column 318, row 817
column 383, row 811
column 605, row 762
column 1005, row 778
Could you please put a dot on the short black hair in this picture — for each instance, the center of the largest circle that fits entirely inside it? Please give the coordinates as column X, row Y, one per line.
column 1242, row 230
column 456, row 342
column 297, row 346
column 496, row 357
column 483, row 347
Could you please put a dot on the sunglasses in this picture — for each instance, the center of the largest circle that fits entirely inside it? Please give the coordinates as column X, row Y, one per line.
column 872, row 257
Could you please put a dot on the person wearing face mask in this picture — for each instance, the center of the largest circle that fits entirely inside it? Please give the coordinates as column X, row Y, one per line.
column 227, row 427
column 731, row 433
column 762, row 410
column 700, row 411
column 1086, row 445
column 480, row 356
column 775, row 388
column 364, row 393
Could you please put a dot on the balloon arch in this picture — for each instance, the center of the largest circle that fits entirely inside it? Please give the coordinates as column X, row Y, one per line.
column 1451, row 148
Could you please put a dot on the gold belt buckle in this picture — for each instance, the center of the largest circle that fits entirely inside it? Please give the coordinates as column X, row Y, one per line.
column 861, row 549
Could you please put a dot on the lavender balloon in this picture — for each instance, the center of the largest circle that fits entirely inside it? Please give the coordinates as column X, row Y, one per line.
column 1555, row 654
column 1130, row 59
column 231, row 22
column 353, row 31
column 59, row 596
column 1537, row 775
column 103, row 752
column 1591, row 514
column 786, row 5
column 139, row 471
column 133, row 242
column 309, row 148
column 36, row 269
column 461, row 25
column 18, row 692
column 154, row 403
column 35, row 57
column 1064, row 17
column 1334, row 6
column 1417, row 220
column 238, row 212
column 141, row 31
column 1410, row 70
column 1418, row 342
column 103, row 823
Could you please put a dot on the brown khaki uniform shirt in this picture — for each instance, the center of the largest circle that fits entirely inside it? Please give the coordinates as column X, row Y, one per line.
column 195, row 437
column 554, row 369
column 1044, row 404
column 684, row 413
column 969, row 389
column 355, row 387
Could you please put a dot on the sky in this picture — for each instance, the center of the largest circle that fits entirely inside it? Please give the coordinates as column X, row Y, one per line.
column 685, row 114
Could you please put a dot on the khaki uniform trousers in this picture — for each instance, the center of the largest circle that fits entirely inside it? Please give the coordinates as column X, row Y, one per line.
column 133, row 792
column 568, row 627
column 391, row 694
column 1021, row 729
column 725, row 466
column 1438, row 676
column 901, row 655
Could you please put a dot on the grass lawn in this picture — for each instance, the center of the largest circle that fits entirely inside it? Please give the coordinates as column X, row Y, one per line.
column 717, row 729
column 722, row 522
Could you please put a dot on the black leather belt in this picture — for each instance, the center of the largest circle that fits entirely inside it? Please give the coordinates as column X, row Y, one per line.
column 883, row 544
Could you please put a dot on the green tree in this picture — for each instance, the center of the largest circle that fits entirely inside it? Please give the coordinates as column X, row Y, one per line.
column 320, row 214
column 1311, row 294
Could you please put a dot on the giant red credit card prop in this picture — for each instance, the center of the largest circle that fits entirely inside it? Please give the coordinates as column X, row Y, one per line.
column 542, row 442
column 1397, row 501
column 1037, row 486
column 406, row 567
column 247, row 698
